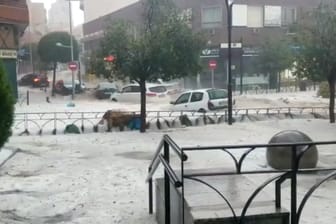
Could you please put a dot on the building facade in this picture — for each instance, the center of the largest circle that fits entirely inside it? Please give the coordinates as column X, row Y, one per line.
column 58, row 16
column 93, row 11
column 13, row 21
column 253, row 22
column 37, row 23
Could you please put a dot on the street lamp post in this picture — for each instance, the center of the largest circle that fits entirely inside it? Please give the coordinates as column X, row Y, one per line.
column 72, row 51
column 229, row 4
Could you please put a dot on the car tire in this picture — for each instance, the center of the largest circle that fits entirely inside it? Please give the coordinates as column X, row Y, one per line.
column 201, row 111
column 114, row 100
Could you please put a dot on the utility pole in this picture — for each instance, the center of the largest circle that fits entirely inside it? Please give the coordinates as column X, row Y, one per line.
column 30, row 41
column 229, row 5
column 72, row 50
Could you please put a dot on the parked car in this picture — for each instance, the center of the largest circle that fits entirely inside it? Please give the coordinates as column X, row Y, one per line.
column 34, row 80
column 65, row 87
column 201, row 100
column 131, row 93
column 172, row 87
column 104, row 90
column 27, row 80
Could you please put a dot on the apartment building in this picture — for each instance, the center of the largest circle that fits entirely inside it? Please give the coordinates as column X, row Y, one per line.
column 253, row 21
column 94, row 9
column 37, row 23
column 58, row 16
column 13, row 21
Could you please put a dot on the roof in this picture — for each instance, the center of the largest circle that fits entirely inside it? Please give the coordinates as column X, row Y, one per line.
column 202, row 90
column 147, row 85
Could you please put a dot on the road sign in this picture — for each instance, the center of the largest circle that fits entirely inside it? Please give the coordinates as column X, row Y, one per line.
column 73, row 66
column 109, row 58
column 212, row 64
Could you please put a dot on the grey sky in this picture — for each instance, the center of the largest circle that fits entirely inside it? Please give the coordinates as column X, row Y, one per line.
column 78, row 15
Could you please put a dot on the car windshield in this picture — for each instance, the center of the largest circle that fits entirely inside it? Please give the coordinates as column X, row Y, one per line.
column 215, row 94
column 157, row 89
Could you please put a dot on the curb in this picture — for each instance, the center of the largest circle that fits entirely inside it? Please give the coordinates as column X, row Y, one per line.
column 10, row 155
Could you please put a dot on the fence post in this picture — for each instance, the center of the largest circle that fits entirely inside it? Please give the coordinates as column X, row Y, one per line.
column 27, row 97
column 167, row 184
column 150, row 193
column 278, row 184
column 182, row 189
column 294, row 186
column 82, row 121
column 55, row 124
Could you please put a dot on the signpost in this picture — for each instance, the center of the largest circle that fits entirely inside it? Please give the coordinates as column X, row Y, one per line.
column 109, row 58
column 73, row 66
column 212, row 67
column 108, row 61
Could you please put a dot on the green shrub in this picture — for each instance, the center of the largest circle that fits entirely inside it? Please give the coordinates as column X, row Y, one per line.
column 6, row 107
column 324, row 90
column 71, row 129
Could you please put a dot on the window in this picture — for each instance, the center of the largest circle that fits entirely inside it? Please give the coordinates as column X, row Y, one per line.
column 184, row 98
column 272, row 16
column 289, row 16
column 255, row 16
column 135, row 89
column 212, row 17
column 195, row 97
column 239, row 15
column 216, row 94
column 127, row 89
column 158, row 89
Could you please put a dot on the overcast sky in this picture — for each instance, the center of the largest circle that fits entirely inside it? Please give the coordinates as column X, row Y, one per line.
column 78, row 16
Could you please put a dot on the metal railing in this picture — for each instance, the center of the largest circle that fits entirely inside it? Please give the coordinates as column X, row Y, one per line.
column 297, row 152
column 170, row 175
column 25, row 123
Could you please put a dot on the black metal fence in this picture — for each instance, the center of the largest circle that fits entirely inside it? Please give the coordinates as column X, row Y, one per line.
column 297, row 151
column 52, row 122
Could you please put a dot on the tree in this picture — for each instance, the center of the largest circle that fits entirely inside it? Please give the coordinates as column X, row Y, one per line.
column 163, row 47
column 317, row 56
column 275, row 56
column 49, row 52
column 6, row 107
column 95, row 64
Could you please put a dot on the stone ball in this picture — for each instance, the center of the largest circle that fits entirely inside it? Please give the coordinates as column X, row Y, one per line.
column 280, row 157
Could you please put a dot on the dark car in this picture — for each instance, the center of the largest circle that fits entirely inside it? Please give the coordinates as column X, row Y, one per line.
column 34, row 80
column 105, row 89
column 28, row 79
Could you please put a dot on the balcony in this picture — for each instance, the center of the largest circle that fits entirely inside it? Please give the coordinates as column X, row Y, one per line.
column 14, row 12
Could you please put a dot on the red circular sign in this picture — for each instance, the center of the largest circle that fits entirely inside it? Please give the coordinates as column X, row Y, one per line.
column 213, row 64
column 73, row 66
column 109, row 58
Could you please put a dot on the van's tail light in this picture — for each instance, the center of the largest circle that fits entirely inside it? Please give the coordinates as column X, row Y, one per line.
column 36, row 80
column 211, row 106
column 150, row 94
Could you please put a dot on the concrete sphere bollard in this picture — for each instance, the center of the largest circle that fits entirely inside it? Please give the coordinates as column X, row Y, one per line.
column 281, row 157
